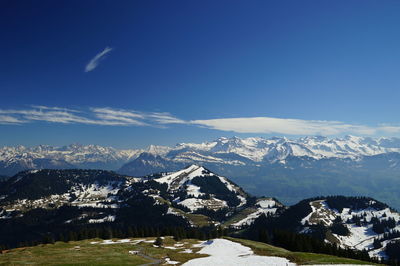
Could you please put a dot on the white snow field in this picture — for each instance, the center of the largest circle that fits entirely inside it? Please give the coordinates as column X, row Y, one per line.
column 225, row 252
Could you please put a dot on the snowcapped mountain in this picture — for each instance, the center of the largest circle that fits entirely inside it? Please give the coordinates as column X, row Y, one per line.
column 147, row 163
column 359, row 223
column 15, row 159
column 223, row 151
column 197, row 188
column 258, row 151
column 55, row 188
column 194, row 194
column 277, row 149
column 289, row 169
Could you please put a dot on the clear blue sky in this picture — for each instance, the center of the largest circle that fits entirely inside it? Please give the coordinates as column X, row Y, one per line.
column 212, row 68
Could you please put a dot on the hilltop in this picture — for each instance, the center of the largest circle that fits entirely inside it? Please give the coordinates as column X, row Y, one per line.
column 139, row 251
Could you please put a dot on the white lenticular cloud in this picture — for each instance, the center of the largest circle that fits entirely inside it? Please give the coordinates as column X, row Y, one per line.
column 94, row 62
column 270, row 125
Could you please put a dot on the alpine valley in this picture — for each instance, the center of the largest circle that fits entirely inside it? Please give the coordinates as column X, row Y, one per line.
column 48, row 205
column 288, row 169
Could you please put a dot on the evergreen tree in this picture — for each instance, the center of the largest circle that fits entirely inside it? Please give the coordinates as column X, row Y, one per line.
column 158, row 241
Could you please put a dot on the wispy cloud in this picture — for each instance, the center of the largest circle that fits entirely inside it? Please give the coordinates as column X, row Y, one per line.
column 107, row 116
column 166, row 118
column 269, row 125
column 7, row 120
column 390, row 129
column 119, row 116
column 93, row 116
column 95, row 61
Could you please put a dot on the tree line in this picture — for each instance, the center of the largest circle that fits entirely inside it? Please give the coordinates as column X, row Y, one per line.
column 109, row 232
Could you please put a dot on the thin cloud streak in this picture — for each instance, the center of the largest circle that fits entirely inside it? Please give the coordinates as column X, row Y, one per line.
column 166, row 118
column 7, row 120
column 107, row 116
column 122, row 116
column 390, row 129
column 104, row 116
column 95, row 61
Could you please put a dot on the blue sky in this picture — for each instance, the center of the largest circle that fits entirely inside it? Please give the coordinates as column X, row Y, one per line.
column 134, row 73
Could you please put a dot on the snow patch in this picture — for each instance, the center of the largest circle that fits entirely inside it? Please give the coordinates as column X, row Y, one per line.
column 227, row 253
column 195, row 204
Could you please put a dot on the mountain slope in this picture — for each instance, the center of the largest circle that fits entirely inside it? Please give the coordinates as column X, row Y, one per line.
column 16, row 159
column 198, row 188
column 33, row 202
column 359, row 223
column 62, row 199
column 226, row 151
column 148, row 163
column 290, row 169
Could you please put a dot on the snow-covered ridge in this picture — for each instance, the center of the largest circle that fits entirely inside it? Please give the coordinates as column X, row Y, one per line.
column 232, row 151
column 361, row 231
column 255, row 152
column 177, row 179
column 73, row 154
column 266, row 206
column 255, row 149
column 278, row 148
column 185, row 191
column 195, row 199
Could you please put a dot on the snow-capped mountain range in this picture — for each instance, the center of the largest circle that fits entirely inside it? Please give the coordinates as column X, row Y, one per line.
column 279, row 148
column 288, row 169
column 230, row 151
column 254, row 149
column 15, row 159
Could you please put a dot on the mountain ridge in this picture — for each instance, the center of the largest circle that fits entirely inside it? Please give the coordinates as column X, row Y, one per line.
column 288, row 169
column 247, row 150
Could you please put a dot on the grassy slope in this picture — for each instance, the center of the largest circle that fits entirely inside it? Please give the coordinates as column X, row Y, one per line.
column 239, row 216
column 297, row 257
column 62, row 253
column 85, row 253
column 196, row 219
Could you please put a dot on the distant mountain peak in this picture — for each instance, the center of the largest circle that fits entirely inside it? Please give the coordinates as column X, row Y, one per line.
column 228, row 151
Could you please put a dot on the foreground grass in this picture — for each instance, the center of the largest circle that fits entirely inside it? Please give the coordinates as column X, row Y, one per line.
column 303, row 258
column 85, row 253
